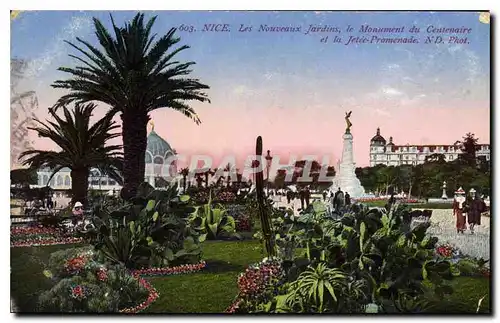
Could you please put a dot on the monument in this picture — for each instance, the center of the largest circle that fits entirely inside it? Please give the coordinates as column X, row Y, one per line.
column 345, row 177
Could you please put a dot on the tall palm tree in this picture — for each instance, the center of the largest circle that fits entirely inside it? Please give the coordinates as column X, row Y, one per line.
column 82, row 146
column 134, row 75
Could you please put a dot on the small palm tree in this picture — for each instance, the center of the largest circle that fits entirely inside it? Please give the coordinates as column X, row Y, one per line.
column 82, row 146
column 184, row 172
column 133, row 75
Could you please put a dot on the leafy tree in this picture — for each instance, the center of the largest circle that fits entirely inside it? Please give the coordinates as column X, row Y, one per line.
column 435, row 158
column 469, row 144
column 315, row 171
column 134, row 75
column 23, row 177
column 82, row 146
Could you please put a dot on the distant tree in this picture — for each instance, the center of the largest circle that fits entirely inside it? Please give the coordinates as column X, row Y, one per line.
column 469, row 144
column 435, row 158
column 184, row 172
column 23, row 177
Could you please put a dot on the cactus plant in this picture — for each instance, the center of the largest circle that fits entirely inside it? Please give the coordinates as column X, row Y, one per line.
column 264, row 215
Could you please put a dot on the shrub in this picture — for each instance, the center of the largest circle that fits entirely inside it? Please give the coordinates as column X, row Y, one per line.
column 85, row 284
column 377, row 260
column 153, row 231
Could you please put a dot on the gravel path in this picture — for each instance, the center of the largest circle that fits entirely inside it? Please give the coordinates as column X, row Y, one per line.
column 475, row 245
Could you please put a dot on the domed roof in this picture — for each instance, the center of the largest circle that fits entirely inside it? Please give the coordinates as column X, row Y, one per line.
column 157, row 147
column 378, row 139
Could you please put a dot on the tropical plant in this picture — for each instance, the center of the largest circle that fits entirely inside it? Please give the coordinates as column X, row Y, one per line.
column 152, row 231
column 389, row 265
column 320, row 289
column 133, row 75
column 214, row 221
column 82, row 146
column 265, row 217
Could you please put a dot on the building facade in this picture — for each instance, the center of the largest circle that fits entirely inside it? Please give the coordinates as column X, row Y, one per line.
column 158, row 153
column 390, row 154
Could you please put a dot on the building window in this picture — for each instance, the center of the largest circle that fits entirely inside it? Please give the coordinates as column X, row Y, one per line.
column 67, row 181
column 59, row 180
column 111, row 182
column 94, row 182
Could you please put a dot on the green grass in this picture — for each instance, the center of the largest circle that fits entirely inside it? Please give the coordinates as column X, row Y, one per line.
column 467, row 292
column 211, row 290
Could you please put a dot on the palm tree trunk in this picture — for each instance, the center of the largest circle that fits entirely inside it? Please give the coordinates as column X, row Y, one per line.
column 134, row 134
column 79, row 185
column 184, row 183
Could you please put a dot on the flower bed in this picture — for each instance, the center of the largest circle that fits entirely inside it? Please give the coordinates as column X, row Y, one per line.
column 259, row 283
column 83, row 283
column 39, row 236
column 375, row 199
column 467, row 265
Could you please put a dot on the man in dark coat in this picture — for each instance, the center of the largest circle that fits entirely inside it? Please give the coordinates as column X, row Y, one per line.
column 474, row 207
column 307, row 196
column 338, row 200
column 347, row 199
column 302, row 195
column 288, row 196
column 324, row 196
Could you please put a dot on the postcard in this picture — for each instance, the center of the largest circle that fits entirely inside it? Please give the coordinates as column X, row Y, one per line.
column 241, row 162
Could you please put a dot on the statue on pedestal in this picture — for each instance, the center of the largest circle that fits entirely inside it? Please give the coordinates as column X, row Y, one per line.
column 444, row 196
column 348, row 122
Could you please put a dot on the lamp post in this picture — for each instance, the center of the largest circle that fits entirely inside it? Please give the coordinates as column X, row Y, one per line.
column 269, row 159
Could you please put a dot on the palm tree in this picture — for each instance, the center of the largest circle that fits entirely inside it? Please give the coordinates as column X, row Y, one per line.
column 134, row 76
column 82, row 146
column 184, row 172
column 208, row 173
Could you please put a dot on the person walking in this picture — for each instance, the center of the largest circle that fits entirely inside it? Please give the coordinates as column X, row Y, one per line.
column 307, row 196
column 302, row 198
column 347, row 199
column 458, row 210
column 339, row 200
column 474, row 209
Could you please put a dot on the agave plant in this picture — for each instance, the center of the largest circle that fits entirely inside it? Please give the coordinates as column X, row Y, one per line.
column 318, row 288
column 214, row 221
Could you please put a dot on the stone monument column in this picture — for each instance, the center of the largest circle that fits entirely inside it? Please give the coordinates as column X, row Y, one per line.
column 345, row 176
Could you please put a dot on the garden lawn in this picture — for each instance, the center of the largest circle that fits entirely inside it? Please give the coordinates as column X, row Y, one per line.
column 213, row 289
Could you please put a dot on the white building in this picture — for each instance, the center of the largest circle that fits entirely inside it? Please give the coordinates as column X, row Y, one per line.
column 157, row 152
column 387, row 153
